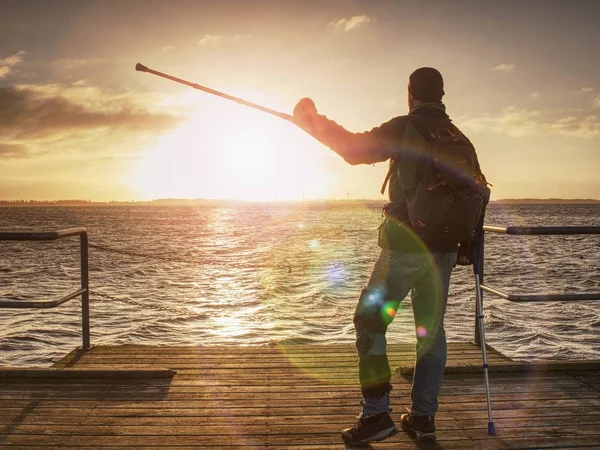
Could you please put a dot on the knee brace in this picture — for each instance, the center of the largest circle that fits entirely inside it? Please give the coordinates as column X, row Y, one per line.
column 370, row 344
column 367, row 315
column 364, row 342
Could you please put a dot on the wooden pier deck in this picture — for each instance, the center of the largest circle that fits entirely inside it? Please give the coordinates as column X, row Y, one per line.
column 284, row 397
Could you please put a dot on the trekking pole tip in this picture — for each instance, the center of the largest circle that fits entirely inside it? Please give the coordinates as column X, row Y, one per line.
column 141, row 68
column 491, row 429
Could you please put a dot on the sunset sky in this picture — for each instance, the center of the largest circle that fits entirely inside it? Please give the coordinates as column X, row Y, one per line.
column 76, row 121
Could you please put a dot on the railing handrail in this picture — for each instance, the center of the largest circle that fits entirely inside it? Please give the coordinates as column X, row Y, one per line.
column 45, row 236
column 540, row 297
column 539, row 231
column 83, row 291
column 531, row 231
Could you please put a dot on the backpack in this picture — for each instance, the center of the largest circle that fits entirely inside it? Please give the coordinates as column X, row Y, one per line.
column 445, row 192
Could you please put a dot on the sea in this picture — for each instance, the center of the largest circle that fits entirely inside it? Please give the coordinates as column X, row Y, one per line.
column 277, row 273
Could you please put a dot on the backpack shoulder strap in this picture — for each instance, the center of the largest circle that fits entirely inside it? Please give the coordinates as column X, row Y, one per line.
column 387, row 177
column 414, row 146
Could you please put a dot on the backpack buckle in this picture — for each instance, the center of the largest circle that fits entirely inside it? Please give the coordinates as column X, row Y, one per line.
column 448, row 132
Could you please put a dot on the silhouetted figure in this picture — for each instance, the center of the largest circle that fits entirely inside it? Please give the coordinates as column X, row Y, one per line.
column 436, row 192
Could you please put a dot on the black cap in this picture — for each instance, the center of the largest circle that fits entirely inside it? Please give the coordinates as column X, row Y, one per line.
column 426, row 84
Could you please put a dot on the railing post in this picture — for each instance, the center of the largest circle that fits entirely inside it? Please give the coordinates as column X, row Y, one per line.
column 480, row 260
column 85, row 296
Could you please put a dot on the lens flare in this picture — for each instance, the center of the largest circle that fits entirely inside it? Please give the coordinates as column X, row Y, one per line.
column 374, row 298
column 388, row 311
column 335, row 273
column 314, row 244
column 421, row 331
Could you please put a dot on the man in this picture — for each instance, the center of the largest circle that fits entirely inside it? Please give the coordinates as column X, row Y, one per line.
column 411, row 260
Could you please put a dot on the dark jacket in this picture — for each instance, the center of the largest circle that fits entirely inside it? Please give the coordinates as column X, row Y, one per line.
column 390, row 141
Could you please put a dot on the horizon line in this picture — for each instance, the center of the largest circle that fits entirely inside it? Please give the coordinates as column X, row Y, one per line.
column 231, row 200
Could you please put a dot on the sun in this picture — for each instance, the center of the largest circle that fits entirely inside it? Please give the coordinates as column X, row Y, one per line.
column 230, row 151
column 250, row 158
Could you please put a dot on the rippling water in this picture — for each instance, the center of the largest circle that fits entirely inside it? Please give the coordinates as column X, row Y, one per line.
column 264, row 273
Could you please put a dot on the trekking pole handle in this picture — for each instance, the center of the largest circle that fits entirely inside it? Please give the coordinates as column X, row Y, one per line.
column 141, row 68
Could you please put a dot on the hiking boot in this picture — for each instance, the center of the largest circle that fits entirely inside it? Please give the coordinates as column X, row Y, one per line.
column 421, row 427
column 370, row 429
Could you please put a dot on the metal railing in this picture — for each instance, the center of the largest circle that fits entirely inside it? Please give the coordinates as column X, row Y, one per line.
column 530, row 231
column 83, row 291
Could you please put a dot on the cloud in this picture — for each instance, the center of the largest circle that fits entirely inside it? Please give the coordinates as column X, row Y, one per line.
column 534, row 94
column 519, row 122
column 209, row 39
column 44, row 108
column 34, row 118
column 597, row 102
column 586, row 89
column 167, row 48
column 13, row 59
column 350, row 24
column 12, row 150
column 504, row 67
column 585, row 127
column 75, row 63
column 7, row 64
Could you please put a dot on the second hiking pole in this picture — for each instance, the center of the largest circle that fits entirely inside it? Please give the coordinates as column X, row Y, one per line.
column 477, row 263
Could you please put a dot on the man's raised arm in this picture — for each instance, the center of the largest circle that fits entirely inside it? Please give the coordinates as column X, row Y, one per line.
column 376, row 145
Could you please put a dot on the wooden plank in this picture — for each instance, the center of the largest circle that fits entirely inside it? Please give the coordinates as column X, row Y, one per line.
column 85, row 373
column 347, row 347
column 258, row 407
column 309, row 383
column 346, row 372
column 274, row 404
column 267, row 348
column 277, row 361
column 444, row 420
column 394, row 443
column 185, row 383
column 539, row 366
column 232, row 352
column 223, row 426
column 147, row 386
column 544, row 443
column 145, row 394
column 210, row 352
column 108, row 394
column 573, row 434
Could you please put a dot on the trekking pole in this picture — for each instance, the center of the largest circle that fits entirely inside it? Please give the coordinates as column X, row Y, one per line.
column 477, row 263
column 141, row 68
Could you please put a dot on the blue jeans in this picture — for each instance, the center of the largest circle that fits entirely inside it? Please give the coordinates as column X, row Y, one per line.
column 427, row 277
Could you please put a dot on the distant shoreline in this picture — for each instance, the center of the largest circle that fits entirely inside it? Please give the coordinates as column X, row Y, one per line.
column 201, row 202
column 191, row 202
column 547, row 200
